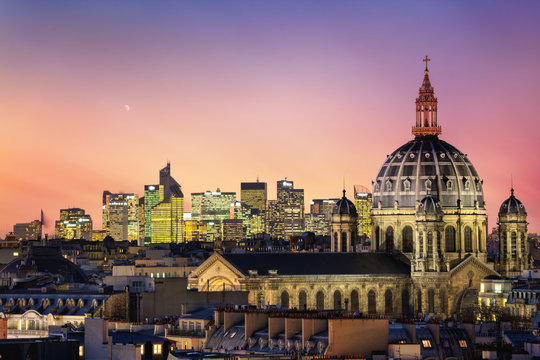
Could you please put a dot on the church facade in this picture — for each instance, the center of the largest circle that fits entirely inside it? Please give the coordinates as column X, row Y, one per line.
column 428, row 247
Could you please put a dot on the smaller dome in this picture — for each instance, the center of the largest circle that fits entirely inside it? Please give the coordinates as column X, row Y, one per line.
column 345, row 207
column 512, row 206
column 429, row 206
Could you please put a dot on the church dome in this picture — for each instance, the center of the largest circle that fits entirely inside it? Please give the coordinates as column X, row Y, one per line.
column 429, row 206
column 345, row 207
column 427, row 165
column 512, row 206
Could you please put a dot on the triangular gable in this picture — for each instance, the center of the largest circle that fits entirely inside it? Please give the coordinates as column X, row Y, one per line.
column 213, row 259
column 475, row 262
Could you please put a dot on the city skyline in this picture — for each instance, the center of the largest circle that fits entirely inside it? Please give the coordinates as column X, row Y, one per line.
column 227, row 96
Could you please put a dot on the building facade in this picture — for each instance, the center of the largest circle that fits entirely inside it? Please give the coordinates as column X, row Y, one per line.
column 121, row 215
column 73, row 224
column 27, row 231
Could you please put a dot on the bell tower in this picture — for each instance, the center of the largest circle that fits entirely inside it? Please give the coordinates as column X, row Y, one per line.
column 426, row 108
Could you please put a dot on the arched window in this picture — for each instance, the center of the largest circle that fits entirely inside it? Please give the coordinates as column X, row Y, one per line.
column 377, row 237
column 337, row 300
column 406, row 185
column 479, row 239
column 430, row 244
column 405, row 309
column 344, row 242
column 449, row 185
column 468, row 239
column 285, row 299
column 450, row 239
column 372, row 302
column 503, row 245
column 407, row 235
column 388, row 185
column 390, row 239
column 260, row 298
column 354, row 301
column 421, row 243
column 513, row 244
column 431, row 301
column 336, row 248
column 444, row 302
column 319, row 299
column 302, row 300
column 388, row 306
column 524, row 250
column 419, row 302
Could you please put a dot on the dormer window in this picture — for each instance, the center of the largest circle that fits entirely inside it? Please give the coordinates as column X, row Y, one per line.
column 388, row 185
column 428, row 184
column 467, row 185
column 406, row 185
column 449, row 185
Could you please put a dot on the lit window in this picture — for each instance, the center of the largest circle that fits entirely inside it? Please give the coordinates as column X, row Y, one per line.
column 232, row 335
column 462, row 343
column 142, row 349
column 426, row 343
column 81, row 350
column 157, row 348
column 482, row 288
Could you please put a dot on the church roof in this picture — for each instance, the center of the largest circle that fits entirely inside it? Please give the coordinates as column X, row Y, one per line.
column 319, row 263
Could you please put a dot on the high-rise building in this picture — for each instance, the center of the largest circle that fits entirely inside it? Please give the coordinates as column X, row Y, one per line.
column 320, row 216
column 362, row 202
column 195, row 230
column 233, row 230
column 27, row 231
column 286, row 214
column 151, row 199
column 73, row 224
column 212, row 207
column 254, row 195
column 121, row 215
column 167, row 217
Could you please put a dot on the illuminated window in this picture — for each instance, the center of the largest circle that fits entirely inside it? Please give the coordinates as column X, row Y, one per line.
column 157, row 348
column 232, row 335
column 482, row 288
column 498, row 288
column 81, row 350
column 426, row 343
column 462, row 343
column 142, row 349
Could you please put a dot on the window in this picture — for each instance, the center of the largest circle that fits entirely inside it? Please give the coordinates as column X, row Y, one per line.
column 302, row 300
column 468, row 239
column 285, row 300
column 337, row 300
column 462, row 343
column 354, row 301
column 426, row 344
column 428, row 185
column 406, row 185
column 407, row 239
column 405, row 309
column 157, row 348
column 372, row 305
column 388, row 306
column 450, row 239
column 388, row 185
column 81, row 350
column 390, row 239
column 320, row 300
column 431, row 301
column 449, row 185
column 467, row 185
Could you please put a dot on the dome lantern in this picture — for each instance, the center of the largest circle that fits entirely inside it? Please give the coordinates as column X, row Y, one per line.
column 426, row 108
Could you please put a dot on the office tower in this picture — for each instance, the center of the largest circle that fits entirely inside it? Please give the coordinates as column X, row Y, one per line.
column 121, row 215
column 362, row 202
column 151, row 199
column 195, row 230
column 254, row 195
column 167, row 217
column 27, row 231
column 242, row 212
column 73, row 224
column 212, row 207
column 233, row 230
column 291, row 201
column 320, row 216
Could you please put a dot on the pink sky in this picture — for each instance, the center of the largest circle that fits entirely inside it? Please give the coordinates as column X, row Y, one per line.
column 228, row 91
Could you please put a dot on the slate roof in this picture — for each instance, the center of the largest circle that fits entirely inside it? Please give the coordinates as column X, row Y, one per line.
column 56, row 304
column 319, row 263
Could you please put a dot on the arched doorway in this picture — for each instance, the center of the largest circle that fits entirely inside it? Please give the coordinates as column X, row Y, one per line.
column 319, row 300
column 302, row 300
column 284, row 300
column 337, row 300
column 355, row 306
column 372, row 302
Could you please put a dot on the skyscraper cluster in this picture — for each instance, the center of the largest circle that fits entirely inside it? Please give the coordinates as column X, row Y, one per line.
column 159, row 216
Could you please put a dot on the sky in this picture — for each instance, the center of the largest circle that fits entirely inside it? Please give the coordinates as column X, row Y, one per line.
column 318, row 92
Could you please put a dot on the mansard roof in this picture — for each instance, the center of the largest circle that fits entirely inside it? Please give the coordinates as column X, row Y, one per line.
column 318, row 264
